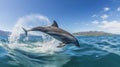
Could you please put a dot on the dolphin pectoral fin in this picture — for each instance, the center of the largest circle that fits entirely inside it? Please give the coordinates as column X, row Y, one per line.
column 61, row 45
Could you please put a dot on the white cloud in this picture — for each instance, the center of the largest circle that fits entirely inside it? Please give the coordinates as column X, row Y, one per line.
column 104, row 16
column 118, row 9
column 109, row 26
column 106, row 9
column 95, row 22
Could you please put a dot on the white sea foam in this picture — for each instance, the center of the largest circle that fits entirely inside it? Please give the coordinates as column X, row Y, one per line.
column 25, row 53
column 28, row 22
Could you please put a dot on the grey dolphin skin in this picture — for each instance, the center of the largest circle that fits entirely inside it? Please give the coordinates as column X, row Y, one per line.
column 57, row 33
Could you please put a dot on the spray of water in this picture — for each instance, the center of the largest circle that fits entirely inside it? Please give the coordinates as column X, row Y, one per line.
column 40, row 54
column 29, row 22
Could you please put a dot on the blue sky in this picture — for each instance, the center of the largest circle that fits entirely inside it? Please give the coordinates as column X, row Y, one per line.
column 71, row 15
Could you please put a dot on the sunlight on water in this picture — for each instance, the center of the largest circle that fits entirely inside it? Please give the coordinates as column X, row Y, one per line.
column 108, row 46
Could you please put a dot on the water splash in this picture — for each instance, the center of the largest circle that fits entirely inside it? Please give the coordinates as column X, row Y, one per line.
column 27, row 21
column 40, row 54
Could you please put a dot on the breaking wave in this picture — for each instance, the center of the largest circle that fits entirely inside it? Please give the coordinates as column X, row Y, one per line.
column 26, row 50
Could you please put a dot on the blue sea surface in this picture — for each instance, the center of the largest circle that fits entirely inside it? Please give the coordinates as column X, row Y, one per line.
column 95, row 51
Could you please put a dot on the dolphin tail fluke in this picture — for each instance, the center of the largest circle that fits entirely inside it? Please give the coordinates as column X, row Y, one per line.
column 26, row 32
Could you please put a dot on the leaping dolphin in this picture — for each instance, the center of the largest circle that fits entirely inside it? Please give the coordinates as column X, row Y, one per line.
column 57, row 33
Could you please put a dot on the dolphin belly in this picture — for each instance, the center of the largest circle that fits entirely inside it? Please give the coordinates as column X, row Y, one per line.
column 60, row 37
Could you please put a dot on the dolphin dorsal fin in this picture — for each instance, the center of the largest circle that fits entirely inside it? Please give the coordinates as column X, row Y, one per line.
column 54, row 24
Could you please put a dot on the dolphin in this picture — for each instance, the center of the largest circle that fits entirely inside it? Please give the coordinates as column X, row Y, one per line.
column 57, row 33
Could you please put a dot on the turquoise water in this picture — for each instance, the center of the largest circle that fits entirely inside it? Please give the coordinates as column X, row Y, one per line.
column 95, row 51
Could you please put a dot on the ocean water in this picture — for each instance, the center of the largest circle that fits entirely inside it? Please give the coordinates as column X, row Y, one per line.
column 95, row 51
column 39, row 49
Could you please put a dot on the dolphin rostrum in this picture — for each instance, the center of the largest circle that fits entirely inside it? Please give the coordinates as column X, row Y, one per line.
column 57, row 33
